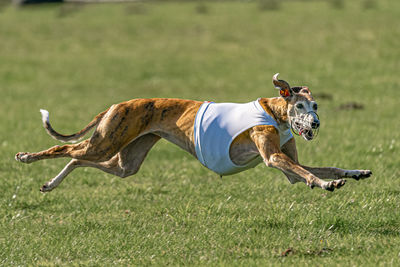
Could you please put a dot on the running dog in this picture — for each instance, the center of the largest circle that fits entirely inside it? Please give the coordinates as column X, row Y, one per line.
column 227, row 138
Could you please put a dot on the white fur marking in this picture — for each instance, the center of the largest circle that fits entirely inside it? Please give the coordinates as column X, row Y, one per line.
column 45, row 115
column 53, row 183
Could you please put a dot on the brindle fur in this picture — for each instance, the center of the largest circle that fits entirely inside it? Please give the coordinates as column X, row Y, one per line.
column 127, row 131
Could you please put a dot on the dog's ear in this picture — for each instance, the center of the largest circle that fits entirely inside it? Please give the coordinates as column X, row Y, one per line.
column 301, row 89
column 284, row 88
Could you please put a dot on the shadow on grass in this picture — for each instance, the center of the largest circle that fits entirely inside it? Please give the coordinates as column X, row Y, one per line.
column 24, row 205
column 306, row 253
column 379, row 227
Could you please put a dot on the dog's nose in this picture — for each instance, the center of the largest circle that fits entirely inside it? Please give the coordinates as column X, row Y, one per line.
column 315, row 124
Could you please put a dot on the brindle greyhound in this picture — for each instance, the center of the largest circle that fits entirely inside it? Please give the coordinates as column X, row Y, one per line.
column 127, row 131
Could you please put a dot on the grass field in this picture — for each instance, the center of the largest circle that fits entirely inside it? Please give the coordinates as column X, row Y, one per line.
column 76, row 60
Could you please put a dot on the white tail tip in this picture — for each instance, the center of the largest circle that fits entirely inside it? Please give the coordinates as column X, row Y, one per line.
column 45, row 115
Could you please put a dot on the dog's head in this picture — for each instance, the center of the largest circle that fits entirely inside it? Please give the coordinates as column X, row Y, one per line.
column 302, row 109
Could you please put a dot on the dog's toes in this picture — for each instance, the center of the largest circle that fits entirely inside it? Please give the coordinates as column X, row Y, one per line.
column 359, row 174
column 18, row 156
column 23, row 157
column 339, row 183
column 336, row 184
column 365, row 174
column 45, row 188
column 331, row 189
column 329, row 186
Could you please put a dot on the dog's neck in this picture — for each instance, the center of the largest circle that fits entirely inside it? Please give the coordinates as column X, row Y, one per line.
column 277, row 107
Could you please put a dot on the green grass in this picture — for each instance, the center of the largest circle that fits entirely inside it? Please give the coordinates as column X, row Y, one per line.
column 76, row 61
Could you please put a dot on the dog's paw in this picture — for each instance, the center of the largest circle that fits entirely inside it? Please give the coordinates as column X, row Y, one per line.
column 359, row 174
column 24, row 157
column 335, row 184
column 46, row 188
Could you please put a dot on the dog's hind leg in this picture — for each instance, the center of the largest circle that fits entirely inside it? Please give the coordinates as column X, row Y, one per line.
column 98, row 148
column 128, row 161
column 110, row 166
column 114, row 131
column 85, row 150
column 125, row 163
column 53, row 152
column 133, row 155
column 53, row 183
column 94, row 149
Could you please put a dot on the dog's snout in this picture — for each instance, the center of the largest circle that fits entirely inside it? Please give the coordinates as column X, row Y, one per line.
column 315, row 124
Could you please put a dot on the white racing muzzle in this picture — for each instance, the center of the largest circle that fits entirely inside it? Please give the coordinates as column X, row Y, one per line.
column 305, row 124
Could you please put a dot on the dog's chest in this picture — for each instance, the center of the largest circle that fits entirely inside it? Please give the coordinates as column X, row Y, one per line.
column 217, row 125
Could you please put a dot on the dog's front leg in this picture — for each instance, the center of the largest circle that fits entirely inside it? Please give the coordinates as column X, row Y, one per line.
column 324, row 172
column 335, row 173
column 266, row 138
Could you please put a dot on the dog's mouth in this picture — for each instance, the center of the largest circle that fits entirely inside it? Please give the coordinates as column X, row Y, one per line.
column 303, row 125
column 307, row 134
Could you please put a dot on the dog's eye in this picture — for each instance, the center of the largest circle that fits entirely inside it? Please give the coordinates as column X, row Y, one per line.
column 315, row 106
column 299, row 106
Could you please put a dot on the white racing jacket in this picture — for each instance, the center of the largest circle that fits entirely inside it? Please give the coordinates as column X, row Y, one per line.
column 218, row 124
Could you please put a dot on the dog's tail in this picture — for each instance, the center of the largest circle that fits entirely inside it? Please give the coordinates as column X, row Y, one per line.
column 69, row 138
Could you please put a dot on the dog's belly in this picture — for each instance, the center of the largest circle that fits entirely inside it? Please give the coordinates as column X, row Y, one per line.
column 173, row 120
column 183, row 142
